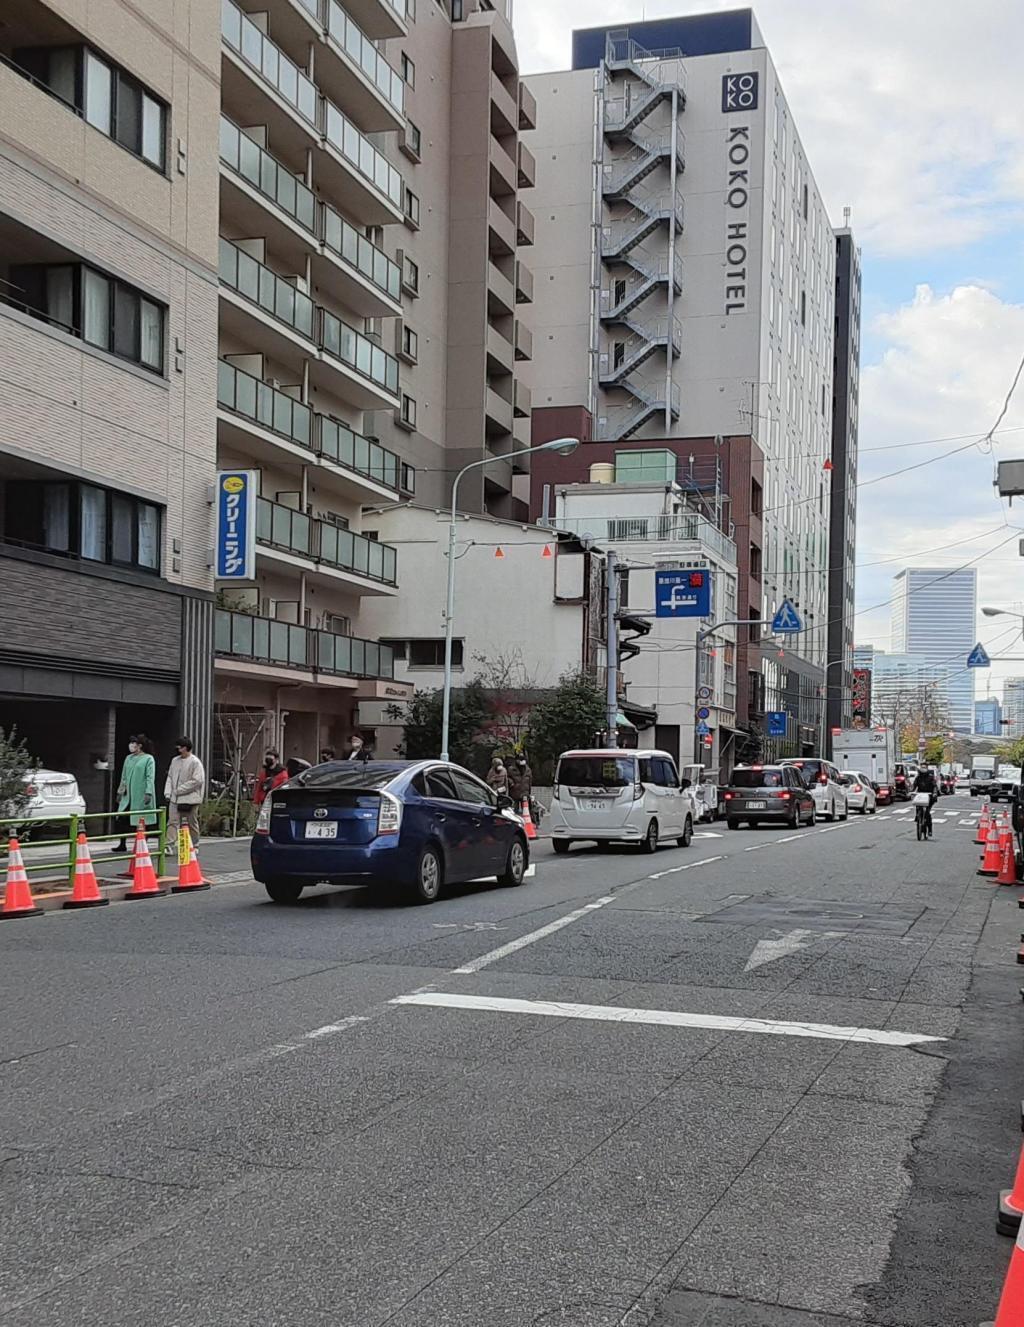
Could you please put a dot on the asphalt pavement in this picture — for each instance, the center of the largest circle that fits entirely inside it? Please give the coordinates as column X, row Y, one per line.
column 771, row 1080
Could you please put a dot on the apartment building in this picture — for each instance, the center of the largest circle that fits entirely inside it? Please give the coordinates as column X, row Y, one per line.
column 108, row 340
column 685, row 287
column 1013, row 707
column 370, row 225
column 934, row 616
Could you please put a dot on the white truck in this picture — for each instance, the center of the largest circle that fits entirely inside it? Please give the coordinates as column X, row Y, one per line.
column 870, row 751
column 1007, row 778
column 983, row 777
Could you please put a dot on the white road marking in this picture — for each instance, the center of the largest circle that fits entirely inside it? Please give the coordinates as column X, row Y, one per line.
column 664, row 1018
column 767, row 951
column 485, row 960
column 329, row 1029
column 707, row 834
column 674, row 870
column 791, row 838
column 756, row 847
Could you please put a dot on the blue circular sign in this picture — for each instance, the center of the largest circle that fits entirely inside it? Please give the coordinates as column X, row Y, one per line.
column 703, row 712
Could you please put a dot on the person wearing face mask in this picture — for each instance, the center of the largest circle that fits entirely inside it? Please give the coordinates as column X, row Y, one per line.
column 136, row 792
column 271, row 776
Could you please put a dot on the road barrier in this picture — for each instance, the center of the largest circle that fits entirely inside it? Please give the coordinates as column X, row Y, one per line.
column 62, row 860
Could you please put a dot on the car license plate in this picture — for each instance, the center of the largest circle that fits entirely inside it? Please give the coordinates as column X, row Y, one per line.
column 757, row 806
column 326, row 830
column 593, row 804
column 56, row 790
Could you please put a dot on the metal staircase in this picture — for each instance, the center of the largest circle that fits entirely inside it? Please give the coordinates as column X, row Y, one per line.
column 649, row 80
column 622, row 424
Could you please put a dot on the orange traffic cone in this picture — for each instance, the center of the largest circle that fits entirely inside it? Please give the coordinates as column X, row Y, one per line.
column 86, row 891
column 18, row 900
column 982, row 833
column 144, row 881
column 1011, row 1202
column 1010, row 1312
column 190, row 875
column 1008, row 863
column 531, row 828
column 990, row 863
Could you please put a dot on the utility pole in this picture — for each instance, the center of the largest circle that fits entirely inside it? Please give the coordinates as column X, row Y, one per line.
column 611, row 647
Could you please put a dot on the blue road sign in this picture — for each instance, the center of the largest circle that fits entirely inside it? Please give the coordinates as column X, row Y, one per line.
column 237, row 491
column 684, row 593
column 786, row 620
column 702, row 729
column 978, row 658
column 703, row 712
column 776, row 722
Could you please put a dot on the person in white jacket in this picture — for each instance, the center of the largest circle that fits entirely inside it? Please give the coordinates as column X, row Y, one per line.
column 186, row 783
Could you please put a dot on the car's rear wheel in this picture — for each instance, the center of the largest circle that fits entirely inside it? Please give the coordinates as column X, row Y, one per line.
column 794, row 820
column 732, row 822
column 515, row 866
column 282, row 890
column 561, row 846
column 831, row 813
column 686, row 838
column 429, row 876
column 864, row 808
column 650, row 839
column 846, row 811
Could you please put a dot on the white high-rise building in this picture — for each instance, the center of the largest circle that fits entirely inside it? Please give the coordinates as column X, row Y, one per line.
column 1013, row 707
column 934, row 613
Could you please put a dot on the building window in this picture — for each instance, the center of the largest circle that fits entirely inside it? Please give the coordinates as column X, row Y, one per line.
column 83, row 521
column 408, row 480
column 412, row 209
column 805, row 202
column 410, row 275
column 803, row 308
column 108, row 97
column 103, row 311
column 408, row 71
column 412, row 141
column 407, row 418
column 408, row 347
column 427, row 652
column 756, row 499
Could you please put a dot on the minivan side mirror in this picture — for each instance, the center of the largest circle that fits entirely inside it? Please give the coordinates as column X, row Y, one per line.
column 505, row 803
column 684, row 783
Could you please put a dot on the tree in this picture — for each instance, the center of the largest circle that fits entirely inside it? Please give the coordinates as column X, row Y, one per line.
column 468, row 721
column 15, row 764
column 1011, row 753
column 568, row 717
column 935, row 750
column 510, row 689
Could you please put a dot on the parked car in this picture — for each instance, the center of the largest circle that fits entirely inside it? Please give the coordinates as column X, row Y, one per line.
column 52, row 796
column 704, row 786
column 902, row 782
column 614, row 796
column 420, row 824
column 825, row 782
column 883, row 793
column 947, row 785
column 768, row 793
column 860, row 792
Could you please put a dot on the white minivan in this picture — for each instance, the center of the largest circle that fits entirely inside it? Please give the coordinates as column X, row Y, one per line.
column 614, row 796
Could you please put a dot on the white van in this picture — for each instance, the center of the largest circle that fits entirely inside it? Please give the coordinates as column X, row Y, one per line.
column 613, row 796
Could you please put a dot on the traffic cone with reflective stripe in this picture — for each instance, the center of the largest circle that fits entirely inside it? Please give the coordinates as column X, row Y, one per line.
column 85, row 892
column 1008, row 859
column 1011, row 1202
column 144, row 881
column 190, row 875
column 990, row 863
column 982, row 832
column 1010, row 1312
column 18, row 900
column 531, row 828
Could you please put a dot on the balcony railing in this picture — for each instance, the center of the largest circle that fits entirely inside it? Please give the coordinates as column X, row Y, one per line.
column 264, row 288
column 283, row 644
column 349, row 449
column 358, row 352
column 269, row 61
column 361, row 50
column 355, row 249
column 264, row 405
column 681, row 527
column 266, row 174
column 342, row 134
column 321, row 541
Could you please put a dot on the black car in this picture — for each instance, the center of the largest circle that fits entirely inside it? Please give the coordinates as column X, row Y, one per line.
column 770, row 793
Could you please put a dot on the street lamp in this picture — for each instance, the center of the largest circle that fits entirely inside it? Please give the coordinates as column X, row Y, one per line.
column 564, row 447
column 1004, row 612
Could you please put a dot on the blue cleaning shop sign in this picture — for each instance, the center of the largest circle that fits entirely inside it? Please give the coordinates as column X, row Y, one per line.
column 237, row 491
column 682, row 593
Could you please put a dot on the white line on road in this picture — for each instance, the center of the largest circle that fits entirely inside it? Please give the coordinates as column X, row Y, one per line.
column 767, row 951
column 485, row 960
column 791, row 838
column 665, row 1018
column 756, row 847
column 329, row 1029
column 674, row 870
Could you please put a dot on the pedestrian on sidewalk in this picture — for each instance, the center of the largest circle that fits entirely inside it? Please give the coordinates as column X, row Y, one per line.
column 326, row 755
column 497, row 777
column 271, row 776
column 357, row 749
column 186, row 783
column 136, row 793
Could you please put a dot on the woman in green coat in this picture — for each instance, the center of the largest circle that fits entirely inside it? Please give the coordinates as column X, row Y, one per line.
column 137, row 790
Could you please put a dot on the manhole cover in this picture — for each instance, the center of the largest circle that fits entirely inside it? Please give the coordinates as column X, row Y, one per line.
column 817, row 915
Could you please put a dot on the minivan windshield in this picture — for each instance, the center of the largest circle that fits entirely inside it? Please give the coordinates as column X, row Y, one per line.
column 757, row 778
column 596, row 771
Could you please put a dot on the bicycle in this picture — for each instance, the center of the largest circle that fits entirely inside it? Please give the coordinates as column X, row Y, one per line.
column 923, row 819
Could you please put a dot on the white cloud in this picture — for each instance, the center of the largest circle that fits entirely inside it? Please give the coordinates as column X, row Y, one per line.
column 908, row 111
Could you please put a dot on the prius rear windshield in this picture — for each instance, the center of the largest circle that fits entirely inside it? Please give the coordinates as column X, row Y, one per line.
column 596, row 771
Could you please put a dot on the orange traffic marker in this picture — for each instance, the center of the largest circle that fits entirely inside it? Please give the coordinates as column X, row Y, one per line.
column 144, row 881
column 190, row 875
column 990, row 862
column 531, row 828
column 18, row 900
column 1011, row 1202
column 1008, row 859
column 983, row 821
column 1010, row 1312
column 86, row 890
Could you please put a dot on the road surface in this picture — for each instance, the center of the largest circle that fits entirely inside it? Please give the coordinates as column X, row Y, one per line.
column 772, row 1080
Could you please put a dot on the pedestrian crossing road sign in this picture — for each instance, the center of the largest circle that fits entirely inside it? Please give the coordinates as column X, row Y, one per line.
column 786, row 620
column 978, row 658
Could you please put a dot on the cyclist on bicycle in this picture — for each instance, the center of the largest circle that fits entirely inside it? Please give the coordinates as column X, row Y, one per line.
column 926, row 784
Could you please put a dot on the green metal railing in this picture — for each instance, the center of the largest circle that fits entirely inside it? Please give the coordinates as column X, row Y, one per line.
column 58, row 864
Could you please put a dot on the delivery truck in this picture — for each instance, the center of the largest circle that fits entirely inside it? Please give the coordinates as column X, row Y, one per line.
column 983, row 777
column 870, row 751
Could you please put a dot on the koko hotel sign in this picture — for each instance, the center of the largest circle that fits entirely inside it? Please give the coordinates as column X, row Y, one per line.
column 739, row 94
column 235, row 550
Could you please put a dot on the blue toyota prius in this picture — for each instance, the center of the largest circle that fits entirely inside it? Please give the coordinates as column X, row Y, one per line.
column 419, row 824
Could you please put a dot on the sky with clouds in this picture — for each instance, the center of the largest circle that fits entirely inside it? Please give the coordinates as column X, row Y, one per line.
column 909, row 116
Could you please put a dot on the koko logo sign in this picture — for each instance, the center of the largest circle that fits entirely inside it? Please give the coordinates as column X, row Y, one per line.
column 739, row 92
